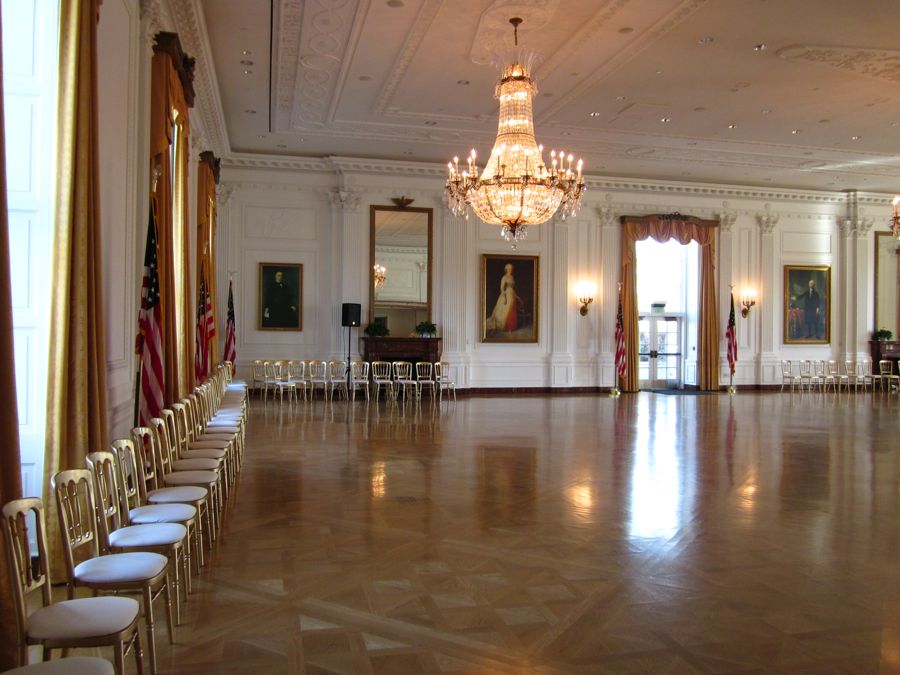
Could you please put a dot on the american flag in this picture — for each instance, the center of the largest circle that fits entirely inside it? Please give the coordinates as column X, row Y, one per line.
column 230, row 349
column 201, row 343
column 731, row 338
column 620, row 339
column 149, row 339
column 210, row 319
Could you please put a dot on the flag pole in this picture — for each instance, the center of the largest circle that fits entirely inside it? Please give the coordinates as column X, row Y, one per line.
column 614, row 392
column 732, row 390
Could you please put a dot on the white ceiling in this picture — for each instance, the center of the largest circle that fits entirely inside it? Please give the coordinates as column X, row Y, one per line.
column 411, row 80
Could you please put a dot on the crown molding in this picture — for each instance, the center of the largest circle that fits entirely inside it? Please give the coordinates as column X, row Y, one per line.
column 351, row 165
column 190, row 24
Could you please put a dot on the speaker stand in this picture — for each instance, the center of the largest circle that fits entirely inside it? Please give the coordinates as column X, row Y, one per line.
column 349, row 333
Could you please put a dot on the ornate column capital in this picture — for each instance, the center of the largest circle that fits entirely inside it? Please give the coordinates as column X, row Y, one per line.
column 767, row 220
column 727, row 217
column 224, row 192
column 347, row 200
column 607, row 214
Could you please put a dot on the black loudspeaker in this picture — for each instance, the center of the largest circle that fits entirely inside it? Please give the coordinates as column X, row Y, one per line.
column 350, row 313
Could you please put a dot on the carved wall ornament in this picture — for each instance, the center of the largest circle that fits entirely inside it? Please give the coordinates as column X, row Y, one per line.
column 880, row 64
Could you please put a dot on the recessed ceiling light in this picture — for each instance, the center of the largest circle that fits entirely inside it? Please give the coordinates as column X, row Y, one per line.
column 260, row 135
column 699, row 108
column 246, row 62
column 625, row 30
column 895, row 124
column 761, row 47
column 248, row 72
column 250, row 112
column 365, row 78
column 281, row 145
column 659, row 72
column 574, row 74
column 765, row 111
column 565, row 133
column 855, row 138
column 665, row 119
column 595, row 114
column 620, row 98
column 463, row 82
column 395, row 3
column 732, row 126
column 795, row 131
column 824, row 121
column 246, row 52
column 705, row 40
column 430, row 123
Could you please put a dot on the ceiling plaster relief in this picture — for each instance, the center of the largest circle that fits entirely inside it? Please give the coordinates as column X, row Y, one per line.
column 880, row 64
column 324, row 38
column 493, row 37
column 647, row 39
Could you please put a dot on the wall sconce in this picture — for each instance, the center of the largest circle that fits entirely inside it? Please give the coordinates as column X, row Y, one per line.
column 584, row 295
column 379, row 274
column 748, row 299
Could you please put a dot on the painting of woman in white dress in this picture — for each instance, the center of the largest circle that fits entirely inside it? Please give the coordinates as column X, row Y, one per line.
column 509, row 298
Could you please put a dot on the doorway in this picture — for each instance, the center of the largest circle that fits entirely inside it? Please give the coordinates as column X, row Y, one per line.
column 668, row 287
column 660, row 352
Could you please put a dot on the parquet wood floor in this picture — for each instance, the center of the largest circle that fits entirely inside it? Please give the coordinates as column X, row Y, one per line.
column 564, row 534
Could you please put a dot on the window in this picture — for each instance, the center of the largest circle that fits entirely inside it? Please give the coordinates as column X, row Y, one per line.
column 30, row 57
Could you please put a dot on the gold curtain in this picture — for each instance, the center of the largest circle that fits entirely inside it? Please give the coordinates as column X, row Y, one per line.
column 683, row 229
column 76, row 386
column 10, row 470
column 168, row 125
column 206, row 239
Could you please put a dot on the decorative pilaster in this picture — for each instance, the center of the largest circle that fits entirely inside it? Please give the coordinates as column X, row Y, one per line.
column 350, row 244
column 770, row 280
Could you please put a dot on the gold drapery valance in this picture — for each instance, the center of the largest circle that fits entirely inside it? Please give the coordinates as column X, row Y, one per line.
column 683, row 229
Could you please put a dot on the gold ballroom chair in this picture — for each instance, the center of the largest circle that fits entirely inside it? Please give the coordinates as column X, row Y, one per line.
column 81, row 623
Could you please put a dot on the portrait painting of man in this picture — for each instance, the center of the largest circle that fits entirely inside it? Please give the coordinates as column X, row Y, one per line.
column 807, row 304
column 280, row 296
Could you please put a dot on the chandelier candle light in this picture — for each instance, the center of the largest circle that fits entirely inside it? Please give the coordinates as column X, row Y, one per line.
column 516, row 188
column 379, row 275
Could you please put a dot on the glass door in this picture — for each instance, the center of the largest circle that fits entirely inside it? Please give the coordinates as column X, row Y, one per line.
column 659, row 352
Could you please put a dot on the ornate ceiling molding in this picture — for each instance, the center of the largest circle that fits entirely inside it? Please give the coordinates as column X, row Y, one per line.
column 424, row 19
column 880, row 64
column 493, row 34
column 647, row 39
column 190, row 24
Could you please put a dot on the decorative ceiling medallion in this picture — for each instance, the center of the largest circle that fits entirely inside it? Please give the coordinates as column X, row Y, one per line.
column 881, row 64
column 492, row 32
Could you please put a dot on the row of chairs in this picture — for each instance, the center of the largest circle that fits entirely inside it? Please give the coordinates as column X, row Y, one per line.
column 302, row 378
column 823, row 374
column 136, row 520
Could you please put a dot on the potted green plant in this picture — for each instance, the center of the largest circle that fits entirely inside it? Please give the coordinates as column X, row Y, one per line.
column 377, row 329
column 426, row 329
column 882, row 334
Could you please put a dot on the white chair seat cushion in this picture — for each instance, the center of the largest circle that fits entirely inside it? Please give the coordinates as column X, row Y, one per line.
column 72, row 665
column 162, row 513
column 85, row 617
column 190, row 478
column 224, row 423
column 208, row 453
column 196, row 464
column 209, row 444
column 138, row 536
column 176, row 495
column 120, row 567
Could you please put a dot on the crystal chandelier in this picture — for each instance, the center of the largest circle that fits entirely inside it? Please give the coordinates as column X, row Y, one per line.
column 895, row 217
column 379, row 275
column 516, row 188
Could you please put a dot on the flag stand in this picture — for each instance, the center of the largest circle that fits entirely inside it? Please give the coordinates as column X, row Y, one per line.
column 732, row 344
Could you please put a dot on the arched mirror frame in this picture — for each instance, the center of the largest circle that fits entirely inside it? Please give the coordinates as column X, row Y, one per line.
column 373, row 212
column 880, row 270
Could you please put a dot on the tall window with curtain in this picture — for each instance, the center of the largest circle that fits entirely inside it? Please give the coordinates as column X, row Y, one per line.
column 171, row 95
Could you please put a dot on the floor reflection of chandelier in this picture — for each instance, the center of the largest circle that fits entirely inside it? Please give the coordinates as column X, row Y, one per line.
column 516, row 188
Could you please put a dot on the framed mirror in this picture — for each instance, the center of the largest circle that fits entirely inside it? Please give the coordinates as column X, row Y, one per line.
column 400, row 267
column 887, row 282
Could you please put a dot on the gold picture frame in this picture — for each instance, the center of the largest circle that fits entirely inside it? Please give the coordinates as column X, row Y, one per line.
column 280, row 297
column 807, row 304
column 510, row 298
